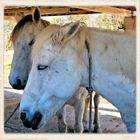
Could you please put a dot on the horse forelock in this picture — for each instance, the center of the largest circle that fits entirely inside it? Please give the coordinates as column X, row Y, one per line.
column 52, row 33
column 41, row 37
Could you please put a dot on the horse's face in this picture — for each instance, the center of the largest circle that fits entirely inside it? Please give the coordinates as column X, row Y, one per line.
column 22, row 42
column 21, row 62
column 55, row 76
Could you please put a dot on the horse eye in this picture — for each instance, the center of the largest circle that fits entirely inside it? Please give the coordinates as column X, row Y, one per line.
column 31, row 42
column 41, row 67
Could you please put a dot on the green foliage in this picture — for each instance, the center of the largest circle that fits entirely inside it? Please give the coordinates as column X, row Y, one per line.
column 105, row 21
column 8, row 27
column 57, row 20
column 7, row 68
column 111, row 22
column 69, row 18
column 81, row 18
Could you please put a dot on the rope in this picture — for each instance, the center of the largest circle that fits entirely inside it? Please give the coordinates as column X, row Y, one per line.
column 12, row 114
column 90, row 88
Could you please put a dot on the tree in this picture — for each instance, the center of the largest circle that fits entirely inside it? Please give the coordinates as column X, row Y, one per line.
column 111, row 22
column 8, row 27
column 57, row 20
column 82, row 18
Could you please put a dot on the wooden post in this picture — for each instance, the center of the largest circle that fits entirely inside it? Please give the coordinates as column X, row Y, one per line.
column 130, row 23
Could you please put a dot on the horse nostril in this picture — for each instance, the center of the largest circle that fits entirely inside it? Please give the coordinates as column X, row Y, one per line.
column 24, row 82
column 18, row 82
column 25, row 121
column 23, row 116
column 36, row 120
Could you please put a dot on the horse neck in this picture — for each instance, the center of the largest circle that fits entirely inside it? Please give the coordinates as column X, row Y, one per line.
column 106, row 75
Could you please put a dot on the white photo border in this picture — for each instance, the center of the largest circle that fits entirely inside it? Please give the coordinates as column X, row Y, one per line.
column 5, row 136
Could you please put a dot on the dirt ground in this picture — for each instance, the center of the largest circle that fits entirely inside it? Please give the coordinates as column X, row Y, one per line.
column 110, row 121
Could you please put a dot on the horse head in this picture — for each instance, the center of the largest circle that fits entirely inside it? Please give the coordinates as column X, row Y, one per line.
column 55, row 75
column 22, row 37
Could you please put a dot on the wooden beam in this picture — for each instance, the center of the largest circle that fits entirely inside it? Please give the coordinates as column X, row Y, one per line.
column 109, row 10
column 57, row 11
column 46, row 11
column 9, row 18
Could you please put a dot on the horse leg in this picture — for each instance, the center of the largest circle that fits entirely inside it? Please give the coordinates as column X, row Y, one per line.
column 85, row 117
column 96, row 116
column 79, row 110
column 61, row 122
column 96, row 107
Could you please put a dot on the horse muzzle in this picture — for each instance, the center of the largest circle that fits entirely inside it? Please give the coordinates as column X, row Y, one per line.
column 17, row 83
column 34, row 122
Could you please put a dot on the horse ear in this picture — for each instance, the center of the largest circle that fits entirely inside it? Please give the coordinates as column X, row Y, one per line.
column 36, row 15
column 69, row 30
column 64, row 33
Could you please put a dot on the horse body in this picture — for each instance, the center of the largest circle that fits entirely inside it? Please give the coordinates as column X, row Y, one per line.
column 114, row 71
column 60, row 61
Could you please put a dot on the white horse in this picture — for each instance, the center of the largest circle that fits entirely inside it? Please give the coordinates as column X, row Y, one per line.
column 60, row 66
column 23, row 37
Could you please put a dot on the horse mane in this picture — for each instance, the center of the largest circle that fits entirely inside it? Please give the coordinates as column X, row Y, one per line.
column 45, row 22
column 20, row 25
column 83, row 38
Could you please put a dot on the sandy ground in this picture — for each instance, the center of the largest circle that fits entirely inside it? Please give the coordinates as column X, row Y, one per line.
column 110, row 121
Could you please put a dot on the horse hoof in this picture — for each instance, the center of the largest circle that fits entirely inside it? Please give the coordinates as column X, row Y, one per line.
column 70, row 130
column 85, row 131
column 96, row 130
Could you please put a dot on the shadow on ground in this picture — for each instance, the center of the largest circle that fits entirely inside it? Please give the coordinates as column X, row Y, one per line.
column 108, row 123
